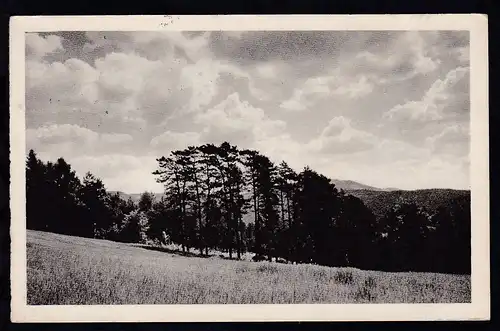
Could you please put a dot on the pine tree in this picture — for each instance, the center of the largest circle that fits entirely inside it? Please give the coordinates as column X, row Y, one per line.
column 96, row 201
column 250, row 160
column 35, row 187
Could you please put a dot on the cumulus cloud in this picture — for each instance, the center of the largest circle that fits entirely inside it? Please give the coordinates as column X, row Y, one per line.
column 339, row 137
column 121, row 172
column 260, row 46
column 446, row 96
column 136, row 79
column 73, row 90
column 54, row 134
column 150, row 45
column 38, row 46
column 359, row 88
column 387, row 108
column 297, row 102
column 319, row 88
column 204, row 78
column 169, row 140
column 121, row 75
column 68, row 139
column 237, row 121
column 407, row 56
column 453, row 140
column 70, row 83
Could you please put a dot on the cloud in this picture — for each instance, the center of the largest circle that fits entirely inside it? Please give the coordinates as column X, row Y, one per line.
column 38, row 46
column 339, row 137
column 297, row 102
column 54, row 134
column 359, row 88
column 89, row 94
column 169, row 140
column 137, row 80
column 266, row 70
column 445, row 97
column 462, row 54
column 121, row 172
column 319, row 88
column 452, row 141
column 70, row 82
column 150, row 45
column 115, row 138
column 237, row 121
column 402, row 174
column 73, row 92
column 68, row 139
column 407, row 55
column 262, row 46
column 393, row 163
column 232, row 120
column 202, row 78
column 121, row 75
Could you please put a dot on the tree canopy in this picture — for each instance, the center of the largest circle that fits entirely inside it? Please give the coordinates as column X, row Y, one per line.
column 220, row 197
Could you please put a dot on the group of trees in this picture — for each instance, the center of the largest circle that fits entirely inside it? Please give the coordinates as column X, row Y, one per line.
column 220, row 197
column 58, row 201
column 299, row 217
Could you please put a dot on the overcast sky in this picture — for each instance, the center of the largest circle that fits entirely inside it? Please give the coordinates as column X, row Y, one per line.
column 388, row 109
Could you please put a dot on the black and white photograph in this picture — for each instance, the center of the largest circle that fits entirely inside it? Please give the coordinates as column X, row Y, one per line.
column 204, row 167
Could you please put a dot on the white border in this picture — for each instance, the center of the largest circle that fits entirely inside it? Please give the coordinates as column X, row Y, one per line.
column 479, row 309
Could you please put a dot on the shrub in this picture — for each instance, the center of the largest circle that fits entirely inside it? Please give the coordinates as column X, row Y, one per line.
column 366, row 291
column 344, row 277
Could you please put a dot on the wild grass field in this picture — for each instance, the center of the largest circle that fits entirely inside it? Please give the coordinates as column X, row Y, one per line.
column 64, row 270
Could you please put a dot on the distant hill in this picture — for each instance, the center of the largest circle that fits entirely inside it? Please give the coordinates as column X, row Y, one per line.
column 377, row 199
column 381, row 201
column 346, row 185
column 349, row 185
column 135, row 196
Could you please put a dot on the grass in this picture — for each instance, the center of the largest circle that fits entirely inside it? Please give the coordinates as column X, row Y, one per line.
column 65, row 270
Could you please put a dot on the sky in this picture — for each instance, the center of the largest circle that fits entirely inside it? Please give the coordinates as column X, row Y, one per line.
column 384, row 108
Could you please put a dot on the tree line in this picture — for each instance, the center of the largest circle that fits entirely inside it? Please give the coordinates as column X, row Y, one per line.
column 220, row 197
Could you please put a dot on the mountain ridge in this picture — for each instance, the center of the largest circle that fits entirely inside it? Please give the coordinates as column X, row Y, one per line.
column 379, row 200
column 346, row 185
column 349, row 185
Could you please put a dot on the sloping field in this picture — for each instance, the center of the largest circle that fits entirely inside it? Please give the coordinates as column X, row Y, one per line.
column 72, row 270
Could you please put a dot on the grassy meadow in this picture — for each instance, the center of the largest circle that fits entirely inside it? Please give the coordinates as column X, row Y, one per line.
column 64, row 270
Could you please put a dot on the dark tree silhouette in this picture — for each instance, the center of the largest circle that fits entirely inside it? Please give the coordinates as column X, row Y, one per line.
column 146, row 201
column 223, row 198
column 97, row 203
column 36, row 212
column 250, row 160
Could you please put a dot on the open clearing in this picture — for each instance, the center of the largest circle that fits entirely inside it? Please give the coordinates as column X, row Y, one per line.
column 64, row 270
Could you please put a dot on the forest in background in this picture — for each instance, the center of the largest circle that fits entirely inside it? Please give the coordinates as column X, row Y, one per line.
column 295, row 217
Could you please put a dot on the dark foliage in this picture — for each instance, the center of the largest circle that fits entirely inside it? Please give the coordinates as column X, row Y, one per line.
column 226, row 199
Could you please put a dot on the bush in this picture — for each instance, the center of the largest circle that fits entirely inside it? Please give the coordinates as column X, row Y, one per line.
column 344, row 277
column 134, row 227
column 366, row 291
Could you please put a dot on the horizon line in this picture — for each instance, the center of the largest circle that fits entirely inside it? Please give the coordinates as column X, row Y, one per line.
column 374, row 189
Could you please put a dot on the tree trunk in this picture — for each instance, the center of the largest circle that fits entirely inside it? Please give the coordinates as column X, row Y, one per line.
column 238, row 242
column 257, row 232
column 282, row 206
column 198, row 207
column 208, row 201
